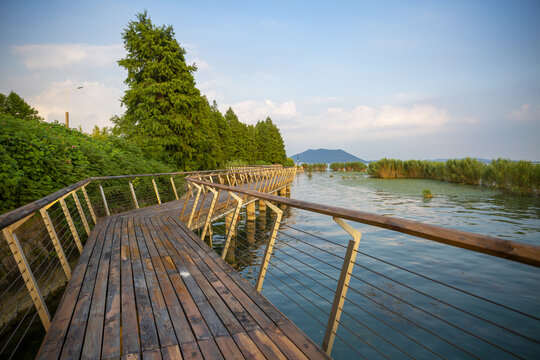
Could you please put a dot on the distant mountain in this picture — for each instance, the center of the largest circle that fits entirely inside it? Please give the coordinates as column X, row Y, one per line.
column 324, row 156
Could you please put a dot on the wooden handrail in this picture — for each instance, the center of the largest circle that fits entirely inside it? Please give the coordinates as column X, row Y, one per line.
column 507, row 249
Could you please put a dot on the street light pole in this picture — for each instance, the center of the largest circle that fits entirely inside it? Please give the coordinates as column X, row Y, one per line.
column 67, row 113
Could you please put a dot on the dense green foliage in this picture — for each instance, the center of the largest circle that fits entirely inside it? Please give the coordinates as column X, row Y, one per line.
column 38, row 158
column 15, row 105
column 348, row 166
column 167, row 116
column 521, row 177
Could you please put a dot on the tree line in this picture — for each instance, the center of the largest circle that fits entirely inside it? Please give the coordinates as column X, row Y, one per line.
column 167, row 116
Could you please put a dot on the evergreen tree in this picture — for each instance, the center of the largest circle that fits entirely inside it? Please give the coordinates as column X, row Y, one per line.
column 164, row 109
column 15, row 105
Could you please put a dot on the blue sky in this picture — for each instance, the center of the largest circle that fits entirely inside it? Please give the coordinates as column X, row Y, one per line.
column 378, row 79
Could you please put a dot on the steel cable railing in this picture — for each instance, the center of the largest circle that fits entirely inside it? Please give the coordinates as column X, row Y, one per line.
column 318, row 258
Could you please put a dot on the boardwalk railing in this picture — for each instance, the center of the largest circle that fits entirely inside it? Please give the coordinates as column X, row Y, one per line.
column 44, row 239
column 375, row 307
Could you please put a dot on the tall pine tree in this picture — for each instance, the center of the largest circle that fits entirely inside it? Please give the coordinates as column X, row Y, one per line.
column 164, row 109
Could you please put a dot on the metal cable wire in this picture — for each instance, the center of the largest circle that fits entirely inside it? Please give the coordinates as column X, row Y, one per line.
column 450, row 286
column 305, row 298
column 447, row 304
column 315, row 236
column 311, row 256
column 393, row 327
column 304, row 263
column 373, row 331
column 353, row 348
column 23, row 336
column 437, row 317
column 307, row 312
column 412, row 322
column 313, row 246
column 359, row 338
column 16, row 328
column 309, row 277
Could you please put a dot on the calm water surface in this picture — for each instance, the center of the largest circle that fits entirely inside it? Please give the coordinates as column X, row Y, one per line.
column 387, row 313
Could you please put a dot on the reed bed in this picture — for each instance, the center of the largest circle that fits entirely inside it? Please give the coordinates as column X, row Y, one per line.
column 348, row 166
column 520, row 177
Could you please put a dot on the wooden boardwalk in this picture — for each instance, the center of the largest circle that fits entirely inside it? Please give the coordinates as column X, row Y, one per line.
column 147, row 287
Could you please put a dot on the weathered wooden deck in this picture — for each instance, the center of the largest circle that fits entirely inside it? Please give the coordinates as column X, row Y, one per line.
column 147, row 287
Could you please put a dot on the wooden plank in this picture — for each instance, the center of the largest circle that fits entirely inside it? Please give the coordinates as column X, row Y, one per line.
column 300, row 340
column 225, row 314
column 212, row 320
column 111, row 330
column 94, row 328
column 269, row 310
column 154, row 354
column 210, row 350
column 308, row 347
column 77, row 326
column 130, row 327
column 173, row 327
column 266, row 345
column 171, row 353
column 247, row 346
column 190, row 351
column 232, row 302
column 212, row 266
column 288, row 348
column 147, row 326
column 228, row 348
column 54, row 339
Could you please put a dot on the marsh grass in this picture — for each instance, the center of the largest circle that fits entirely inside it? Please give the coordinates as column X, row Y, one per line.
column 520, row 177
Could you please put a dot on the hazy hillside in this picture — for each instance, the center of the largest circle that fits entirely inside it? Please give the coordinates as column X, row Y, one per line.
column 324, row 156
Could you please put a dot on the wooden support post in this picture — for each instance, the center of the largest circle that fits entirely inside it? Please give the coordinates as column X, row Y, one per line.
column 107, row 212
column 71, row 225
column 250, row 209
column 232, row 226
column 81, row 213
column 28, row 277
column 208, row 222
column 133, row 195
column 157, row 192
column 89, row 204
column 199, row 189
column 201, row 208
column 56, row 242
column 174, row 188
column 262, row 206
column 270, row 246
column 186, row 202
column 342, row 287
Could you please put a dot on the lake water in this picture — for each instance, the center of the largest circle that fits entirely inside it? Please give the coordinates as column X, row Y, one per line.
column 409, row 297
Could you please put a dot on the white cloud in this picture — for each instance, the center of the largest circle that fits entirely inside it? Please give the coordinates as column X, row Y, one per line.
column 251, row 111
column 201, row 64
column 525, row 112
column 94, row 104
column 61, row 55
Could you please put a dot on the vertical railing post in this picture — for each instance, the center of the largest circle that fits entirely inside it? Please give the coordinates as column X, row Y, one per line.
column 157, row 192
column 199, row 189
column 104, row 201
column 26, row 273
column 208, row 221
column 71, row 225
column 232, row 226
column 270, row 246
column 89, row 204
column 81, row 212
column 133, row 195
column 174, row 188
column 342, row 287
column 55, row 240
column 188, row 194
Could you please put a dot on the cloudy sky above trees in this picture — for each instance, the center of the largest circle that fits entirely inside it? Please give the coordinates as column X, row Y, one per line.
column 378, row 79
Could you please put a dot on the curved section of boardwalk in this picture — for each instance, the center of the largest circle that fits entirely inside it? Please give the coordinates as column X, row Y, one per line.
column 148, row 287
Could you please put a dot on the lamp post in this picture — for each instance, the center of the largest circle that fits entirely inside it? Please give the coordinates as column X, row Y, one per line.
column 67, row 113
